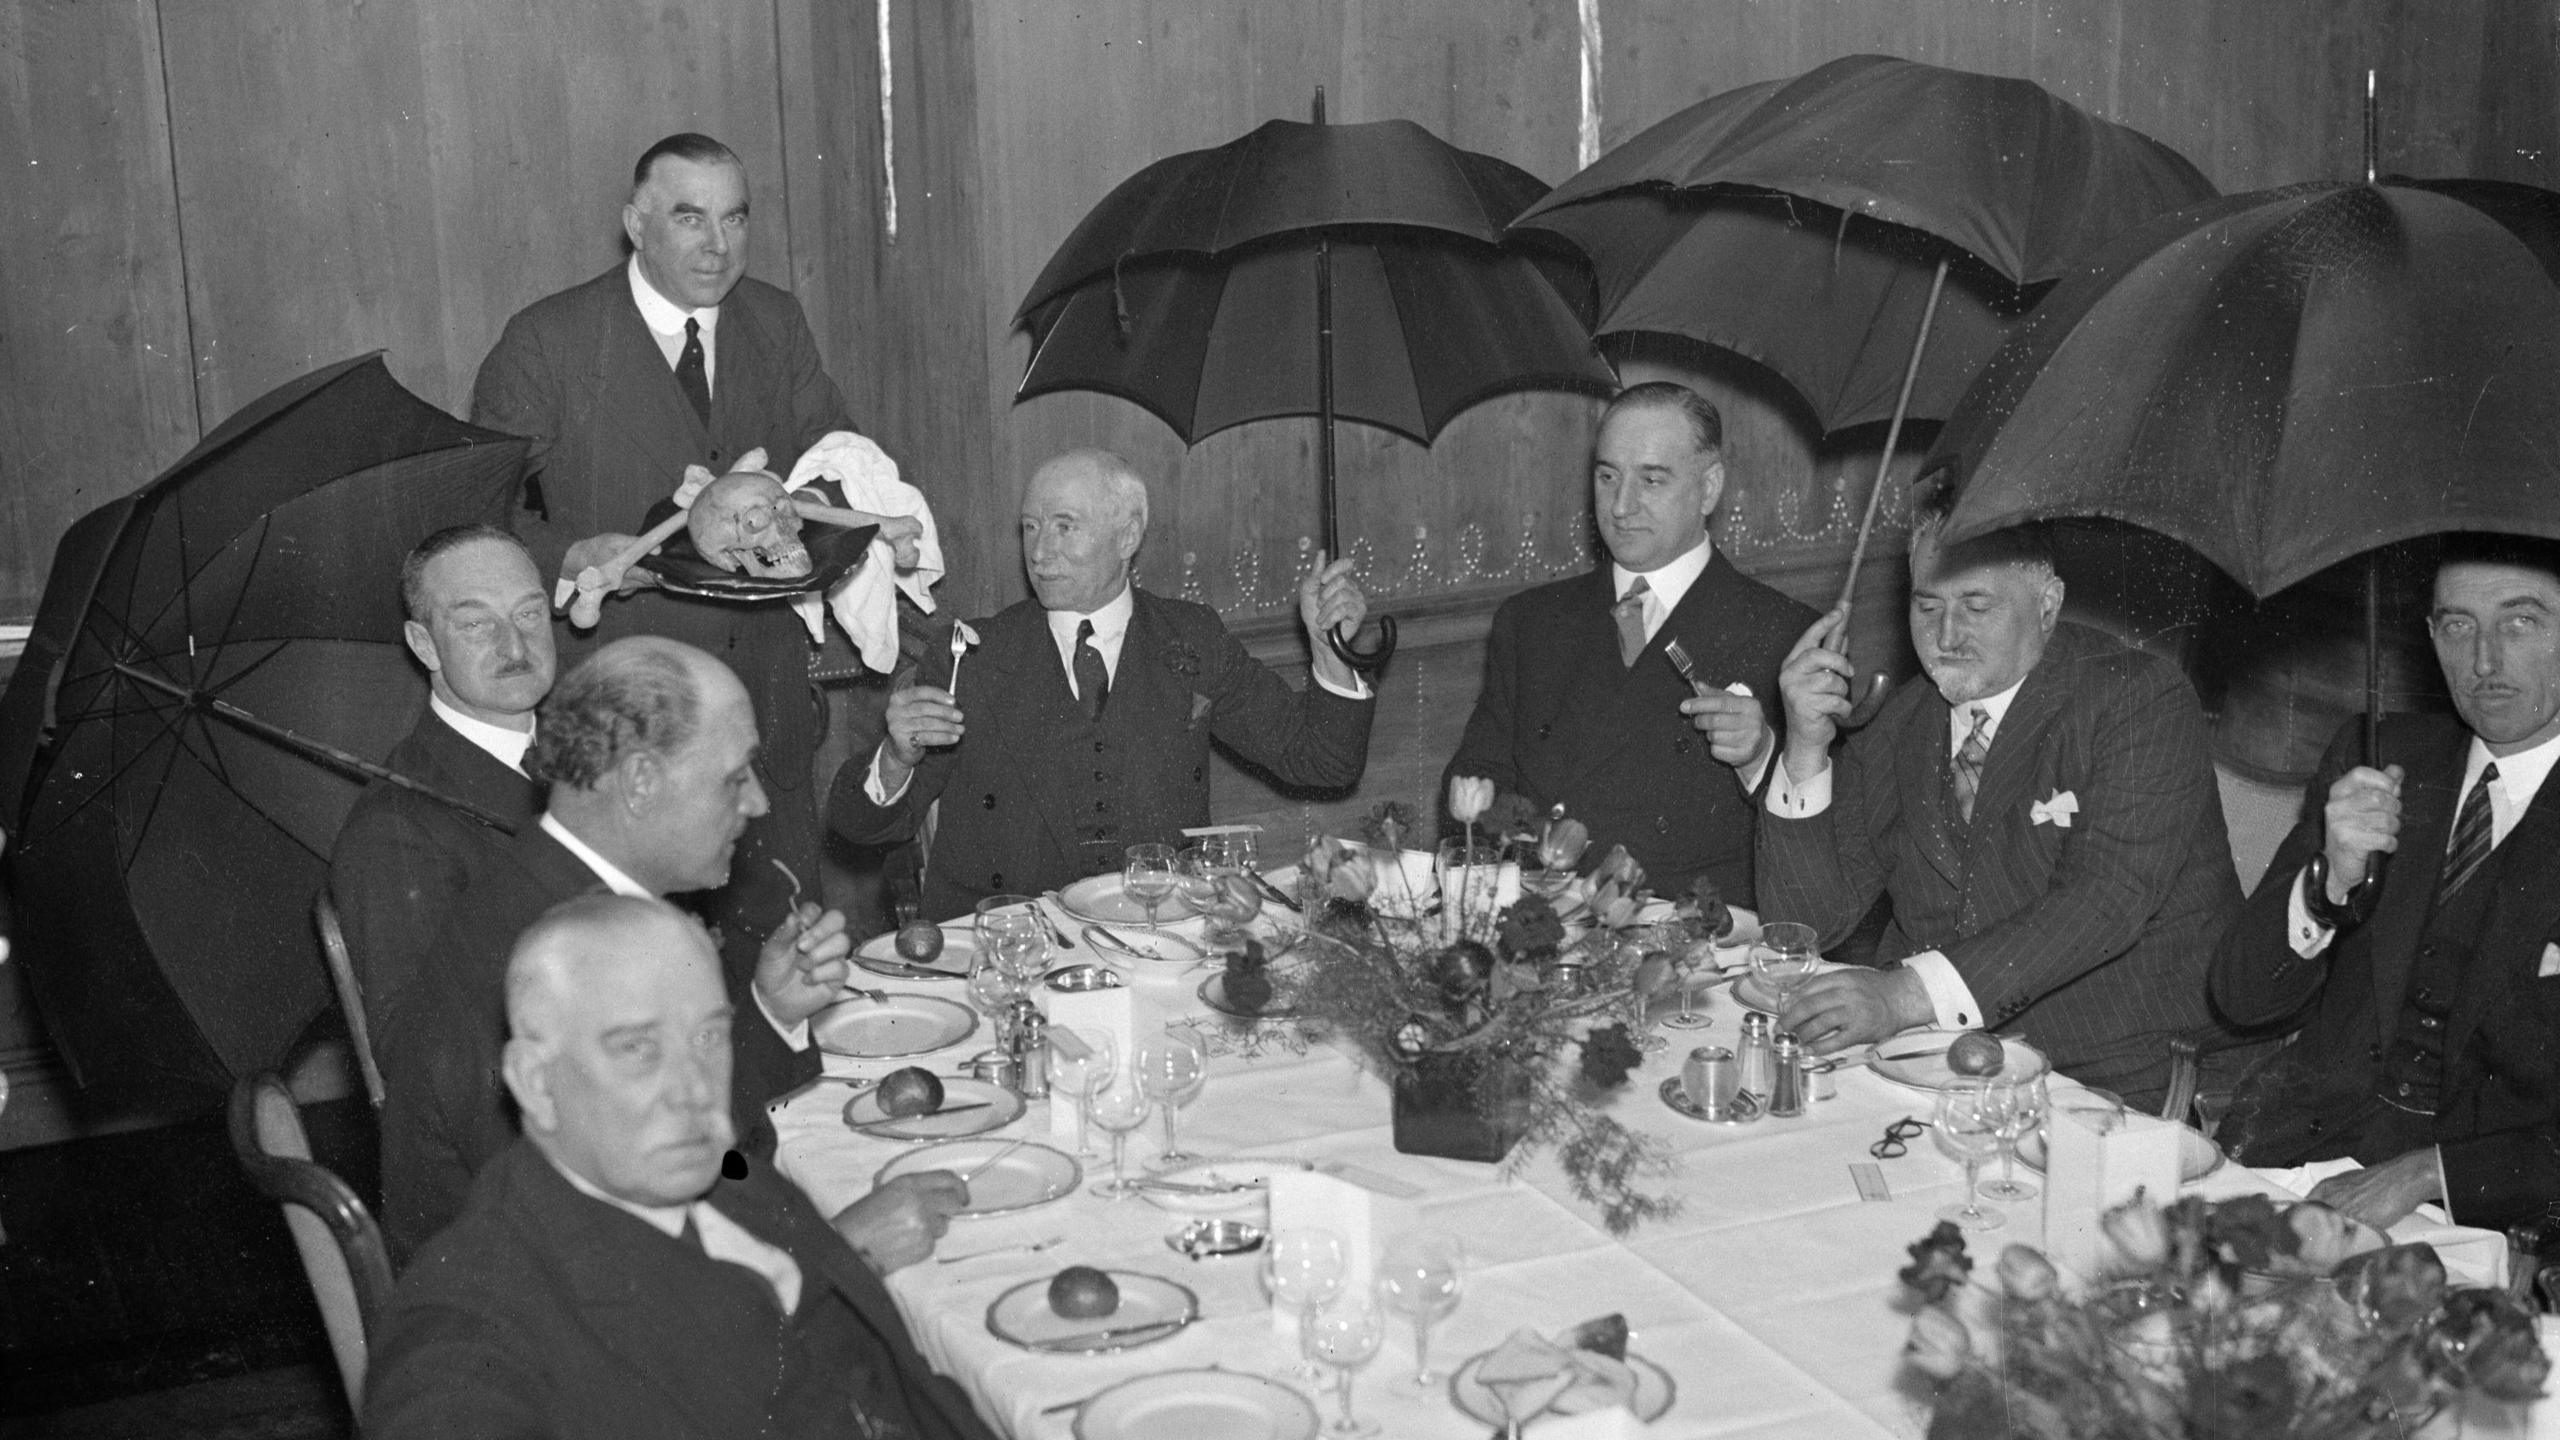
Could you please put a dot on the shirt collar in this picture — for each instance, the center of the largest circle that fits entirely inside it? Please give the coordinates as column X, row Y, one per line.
column 1671, row 581
column 1959, row 725
column 667, row 1218
column 1110, row 623
column 2520, row 775
column 505, row 746
column 606, row 871
column 663, row 315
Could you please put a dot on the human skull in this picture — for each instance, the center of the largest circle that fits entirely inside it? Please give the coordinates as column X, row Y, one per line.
column 745, row 521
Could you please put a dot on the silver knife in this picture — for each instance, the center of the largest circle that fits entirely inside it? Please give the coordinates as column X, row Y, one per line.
column 1091, row 1338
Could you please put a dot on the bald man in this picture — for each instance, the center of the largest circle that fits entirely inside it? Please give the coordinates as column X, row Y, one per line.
column 1085, row 721
column 649, row 747
column 604, row 1279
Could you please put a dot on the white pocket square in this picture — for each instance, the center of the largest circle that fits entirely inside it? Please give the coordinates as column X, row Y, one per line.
column 2055, row 810
column 2550, row 962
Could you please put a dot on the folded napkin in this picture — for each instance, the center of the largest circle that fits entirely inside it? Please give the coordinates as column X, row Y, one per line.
column 1530, row 1374
column 866, row 602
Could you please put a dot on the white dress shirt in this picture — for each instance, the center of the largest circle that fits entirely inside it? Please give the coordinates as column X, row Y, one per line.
column 1948, row 994
column 665, row 319
column 503, row 745
column 1664, row 587
column 722, row 1237
column 796, row 1036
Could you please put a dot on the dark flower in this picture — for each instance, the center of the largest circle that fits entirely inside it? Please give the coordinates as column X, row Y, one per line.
column 1938, row 1263
column 1181, row 659
column 1530, row 929
column 2246, row 1397
column 1608, row 1053
column 2484, row 1342
column 2245, row 1232
column 1462, row 970
column 2399, row 1285
column 1713, row 915
column 1512, row 816
column 1388, row 823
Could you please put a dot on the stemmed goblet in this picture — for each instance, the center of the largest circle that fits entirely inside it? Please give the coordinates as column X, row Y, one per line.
column 2020, row 1106
column 1782, row 959
column 1119, row 1105
column 1302, row 1269
column 1967, row 1128
column 1173, row 1068
column 1078, row 1076
column 1696, row 953
column 1420, row 1278
column 1343, row 1334
column 1149, row 876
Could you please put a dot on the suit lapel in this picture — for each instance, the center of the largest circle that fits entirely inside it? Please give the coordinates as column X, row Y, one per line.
column 1925, row 797
column 2009, row 772
column 1027, row 672
column 2523, row 913
column 636, row 387
column 1593, row 733
column 2408, row 896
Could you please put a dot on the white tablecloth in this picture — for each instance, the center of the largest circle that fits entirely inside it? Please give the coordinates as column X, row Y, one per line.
column 1770, row 1298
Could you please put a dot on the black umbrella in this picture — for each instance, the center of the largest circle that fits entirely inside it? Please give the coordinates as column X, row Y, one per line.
column 169, row 817
column 1310, row 270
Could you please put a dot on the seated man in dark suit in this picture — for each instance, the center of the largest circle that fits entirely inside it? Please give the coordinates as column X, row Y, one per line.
column 481, row 625
column 2043, row 815
column 649, row 747
column 1090, row 708
column 604, row 1279
column 1580, row 708
column 2430, row 1013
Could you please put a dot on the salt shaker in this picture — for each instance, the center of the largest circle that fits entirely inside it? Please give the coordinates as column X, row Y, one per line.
column 1029, row 1045
column 1786, row 1084
column 1757, row 1072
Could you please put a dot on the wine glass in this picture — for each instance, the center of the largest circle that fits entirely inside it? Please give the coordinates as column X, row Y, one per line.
column 992, row 988
column 1967, row 1127
column 1149, row 876
column 1782, row 959
column 1022, row 950
column 2020, row 1104
column 1696, row 954
column 1172, row 1068
column 1420, row 1279
column 1079, row 1076
column 1343, row 1334
column 1302, row 1269
column 996, row 915
column 1119, row 1105
column 1655, row 961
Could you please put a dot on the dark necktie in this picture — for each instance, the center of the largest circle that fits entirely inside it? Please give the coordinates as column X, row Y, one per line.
column 1630, row 613
column 1093, row 682
column 1966, row 772
column 2473, row 837
column 689, row 371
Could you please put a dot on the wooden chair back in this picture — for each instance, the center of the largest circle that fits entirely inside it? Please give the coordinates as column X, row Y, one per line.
column 341, row 1246
column 342, row 978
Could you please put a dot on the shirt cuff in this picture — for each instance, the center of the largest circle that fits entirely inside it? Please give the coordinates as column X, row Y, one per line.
column 1359, row 689
column 1948, row 994
column 872, row 786
column 2308, row 936
column 1791, row 801
column 795, row 1036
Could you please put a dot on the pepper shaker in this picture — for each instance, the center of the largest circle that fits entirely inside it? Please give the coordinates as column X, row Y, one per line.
column 1757, row 1072
column 1029, row 1045
column 1786, row 1084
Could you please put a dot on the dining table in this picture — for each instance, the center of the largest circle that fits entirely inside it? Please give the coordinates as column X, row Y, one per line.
column 1769, row 1297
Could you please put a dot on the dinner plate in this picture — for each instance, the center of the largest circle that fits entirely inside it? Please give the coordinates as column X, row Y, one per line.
column 1022, row 1174
column 834, row 552
column 1654, row 1393
column 1213, row 993
column 1748, row 989
column 887, row 1029
column 1918, row 1058
column 1156, row 947
column 1105, row 900
column 998, row 1107
column 1151, row 1309
column 1216, row 1173
column 1186, row 1404
column 880, row 956
column 2198, row 1156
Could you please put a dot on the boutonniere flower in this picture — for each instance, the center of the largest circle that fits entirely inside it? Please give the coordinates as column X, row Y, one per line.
column 1181, row 659
column 2055, row 809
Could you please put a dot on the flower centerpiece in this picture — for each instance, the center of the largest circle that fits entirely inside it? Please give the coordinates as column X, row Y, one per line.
column 1492, row 1011
column 2231, row 1320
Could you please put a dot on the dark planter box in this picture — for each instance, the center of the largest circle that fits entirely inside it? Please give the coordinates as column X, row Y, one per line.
column 1443, row 1108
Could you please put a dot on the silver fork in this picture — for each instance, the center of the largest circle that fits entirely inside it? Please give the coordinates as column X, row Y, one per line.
column 959, row 648
column 1678, row 655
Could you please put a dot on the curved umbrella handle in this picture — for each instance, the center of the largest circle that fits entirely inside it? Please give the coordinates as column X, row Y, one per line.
column 1372, row 660
column 1863, row 705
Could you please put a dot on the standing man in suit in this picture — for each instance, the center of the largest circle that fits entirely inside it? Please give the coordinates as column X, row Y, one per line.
column 2430, row 1017
column 1089, row 709
column 605, row 1279
column 2042, row 814
column 1580, row 708
column 649, row 749
column 676, row 357
column 481, row 625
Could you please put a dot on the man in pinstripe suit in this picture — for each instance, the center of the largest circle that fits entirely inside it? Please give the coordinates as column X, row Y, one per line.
column 2042, row 815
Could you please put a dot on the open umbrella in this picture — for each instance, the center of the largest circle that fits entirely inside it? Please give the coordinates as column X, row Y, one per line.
column 1310, row 270
column 1993, row 182
column 169, row 818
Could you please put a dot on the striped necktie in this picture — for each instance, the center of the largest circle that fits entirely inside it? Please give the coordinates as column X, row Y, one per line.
column 1630, row 613
column 2473, row 837
column 1966, row 771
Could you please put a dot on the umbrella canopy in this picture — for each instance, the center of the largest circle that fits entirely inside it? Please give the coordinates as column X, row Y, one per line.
column 1192, row 289
column 165, row 852
column 2280, row 380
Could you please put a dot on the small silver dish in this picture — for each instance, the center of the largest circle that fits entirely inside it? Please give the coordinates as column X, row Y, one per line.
column 1203, row 1238
column 1745, row 1108
column 1069, row 979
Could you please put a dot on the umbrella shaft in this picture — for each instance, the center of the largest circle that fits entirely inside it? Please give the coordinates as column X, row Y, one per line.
column 1324, row 399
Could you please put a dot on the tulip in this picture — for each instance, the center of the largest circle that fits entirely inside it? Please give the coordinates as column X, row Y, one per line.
column 1354, row 876
column 2138, row 1233
column 1939, row 1345
column 1562, row 846
column 1469, row 797
column 2026, row 1274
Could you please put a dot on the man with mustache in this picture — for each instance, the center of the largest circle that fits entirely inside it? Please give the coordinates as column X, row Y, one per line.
column 649, row 748
column 479, row 622
column 2429, row 1008
column 605, row 1278
column 2043, row 815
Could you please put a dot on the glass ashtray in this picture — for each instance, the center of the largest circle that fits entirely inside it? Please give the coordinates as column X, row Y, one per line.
column 1203, row 1238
